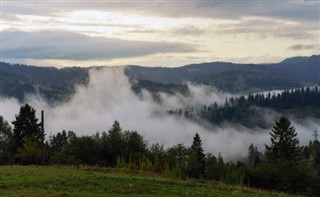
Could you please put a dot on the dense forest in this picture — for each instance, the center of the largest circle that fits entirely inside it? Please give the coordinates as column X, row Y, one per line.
column 285, row 165
column 243, row 110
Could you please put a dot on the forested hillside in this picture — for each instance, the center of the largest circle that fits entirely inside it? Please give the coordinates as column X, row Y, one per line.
column 58, row 84
column 249, row 111
column 290, row 73
column 54, row 84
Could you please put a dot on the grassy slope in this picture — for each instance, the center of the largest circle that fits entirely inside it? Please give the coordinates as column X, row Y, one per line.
column 68, row 181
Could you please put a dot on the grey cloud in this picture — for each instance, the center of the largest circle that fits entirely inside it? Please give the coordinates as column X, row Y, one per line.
column 181, row 31
column 298, row 47
column 267, row 27
column 292, row 10
column 188, row 30
column 9, row 17
column 106, row 25
column 143, row 31
column 74, row 46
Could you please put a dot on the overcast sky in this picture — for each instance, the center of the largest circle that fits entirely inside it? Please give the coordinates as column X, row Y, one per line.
column 157, row 33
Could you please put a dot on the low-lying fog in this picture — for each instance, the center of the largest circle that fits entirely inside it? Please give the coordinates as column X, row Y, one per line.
column 109, row 97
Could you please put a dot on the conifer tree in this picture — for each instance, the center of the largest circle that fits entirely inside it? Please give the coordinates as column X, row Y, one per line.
column 196, row 158
column 26, row 125
column 253, row 156
column 284, row 142
column 115, row 143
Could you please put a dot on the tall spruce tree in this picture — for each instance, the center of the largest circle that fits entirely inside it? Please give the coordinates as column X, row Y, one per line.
column 253, row 156
column 26, row 125
column 115, row 143
column 196, row 158
column 284, row 142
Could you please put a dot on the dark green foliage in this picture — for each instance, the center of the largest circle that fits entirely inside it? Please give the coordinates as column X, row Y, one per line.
column 284, row 169
column 284, row 142
column 30, row 151
column 84, row 149
column 135, row 146
column 306, row 152
column 155, row 88
column 158, row 157
column 234, row 175
column 176, row 160
column 59, row 148
column 253, row 156
column 52, row 83
column 26, row 125
column 106, row 149
column 314, row 149
column 115, row 143
column 59, row 140
column 196, row 158
column 6, row 142
column 248, row 111
column 284, row 176
column 213, row 170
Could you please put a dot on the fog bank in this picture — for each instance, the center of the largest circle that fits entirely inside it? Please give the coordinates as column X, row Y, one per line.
column 108, row 97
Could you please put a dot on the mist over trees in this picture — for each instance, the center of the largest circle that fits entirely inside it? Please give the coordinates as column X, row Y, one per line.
column 301, row 102
column 59, row 84
column 284, row 166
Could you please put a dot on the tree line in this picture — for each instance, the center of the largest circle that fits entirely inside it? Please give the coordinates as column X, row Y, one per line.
column 285, row 165
column 243, row 109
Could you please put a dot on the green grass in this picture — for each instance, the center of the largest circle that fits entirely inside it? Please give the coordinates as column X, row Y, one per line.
column 89, row 181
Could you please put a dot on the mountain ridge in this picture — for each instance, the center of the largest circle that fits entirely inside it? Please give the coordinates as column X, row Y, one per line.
column 17, row 80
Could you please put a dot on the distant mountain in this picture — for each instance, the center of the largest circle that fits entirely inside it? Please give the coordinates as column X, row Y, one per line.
column 55, row 84
column 58, row 84
column 290, row 73
column 305, row 69
column 295, row 60
column 180, row 74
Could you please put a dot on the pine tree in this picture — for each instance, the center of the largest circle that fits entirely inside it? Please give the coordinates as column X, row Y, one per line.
column 115, row 143
column 284, row 142
column 197, row 158
column 26, row 125
column 256, row 160
column 306, row 152
column 251, row 155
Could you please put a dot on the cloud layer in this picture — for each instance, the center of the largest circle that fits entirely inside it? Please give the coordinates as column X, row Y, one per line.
column 229, row 9
column 74, row 46
column 109, row 97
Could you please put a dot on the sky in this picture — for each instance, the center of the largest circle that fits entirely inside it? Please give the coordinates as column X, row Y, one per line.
column 157, row 33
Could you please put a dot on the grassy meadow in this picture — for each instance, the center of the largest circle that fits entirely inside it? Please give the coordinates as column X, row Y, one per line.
column 89, row 181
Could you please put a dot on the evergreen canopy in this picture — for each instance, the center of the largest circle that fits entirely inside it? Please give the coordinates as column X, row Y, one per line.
column 284, row 142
